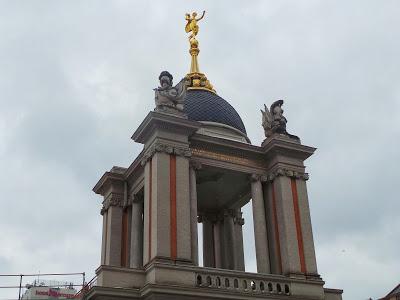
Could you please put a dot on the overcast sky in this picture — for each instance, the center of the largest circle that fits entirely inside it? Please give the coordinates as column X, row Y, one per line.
column 76, row 79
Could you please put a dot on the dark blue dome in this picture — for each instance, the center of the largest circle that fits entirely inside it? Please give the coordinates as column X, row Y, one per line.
column 202, row 105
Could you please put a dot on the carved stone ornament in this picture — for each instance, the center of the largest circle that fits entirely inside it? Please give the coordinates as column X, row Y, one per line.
column 195, row 165
column 255, row 177
column 284, row 172
column 273, row 120
column 159, row 147
column 207, row 217
column 237, row 218
column 170, row 99
column 113, row 199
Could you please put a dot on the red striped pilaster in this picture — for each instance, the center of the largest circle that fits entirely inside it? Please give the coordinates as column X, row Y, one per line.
column 277, row 238
column 298, row 225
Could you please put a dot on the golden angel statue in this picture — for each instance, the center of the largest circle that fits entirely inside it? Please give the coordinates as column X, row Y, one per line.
column 191, row 25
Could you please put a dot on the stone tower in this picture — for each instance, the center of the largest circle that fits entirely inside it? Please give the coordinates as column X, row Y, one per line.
column 198, row 165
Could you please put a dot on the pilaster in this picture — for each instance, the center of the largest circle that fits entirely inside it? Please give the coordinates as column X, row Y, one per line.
column 184, row 218
column 287, row 208
column 305, row 219
column 160, row 207
column 260, row 226
column 230, row 250
column 239, row 258
column 208, row 241
column 193, row 212
column 136, row 254
column 290, row 254
column 167, row 203
column 112, row 255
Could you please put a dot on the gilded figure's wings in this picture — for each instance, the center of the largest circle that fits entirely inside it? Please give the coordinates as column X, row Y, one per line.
column 187, row 27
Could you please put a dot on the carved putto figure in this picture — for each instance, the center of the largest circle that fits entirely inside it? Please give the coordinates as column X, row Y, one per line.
column 168, row 97
column 191, row 25
column 273, row 120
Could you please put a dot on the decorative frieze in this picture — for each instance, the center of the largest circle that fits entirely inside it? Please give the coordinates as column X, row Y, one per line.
column 169, row 149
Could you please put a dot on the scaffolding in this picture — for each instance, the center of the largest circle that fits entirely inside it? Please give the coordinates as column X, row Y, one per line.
column 16, row 282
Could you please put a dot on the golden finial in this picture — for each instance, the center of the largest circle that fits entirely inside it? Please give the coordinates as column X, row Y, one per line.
column 195, row 79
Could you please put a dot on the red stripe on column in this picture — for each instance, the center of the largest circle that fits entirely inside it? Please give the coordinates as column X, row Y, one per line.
column 172, row 190
column 124, row 239
column 277, row 238
column 298, row 225
column 150, row 207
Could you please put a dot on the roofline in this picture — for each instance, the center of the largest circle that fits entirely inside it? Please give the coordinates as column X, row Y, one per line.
column 389, row 294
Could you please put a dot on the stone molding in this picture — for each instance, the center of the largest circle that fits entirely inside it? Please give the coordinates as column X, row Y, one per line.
column 169, row 149
column 113, row 199
column 281, row 172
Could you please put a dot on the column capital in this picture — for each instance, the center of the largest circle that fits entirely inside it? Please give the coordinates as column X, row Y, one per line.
column 270, row 176
column 208, row 217
column 134, row 198
column 166, row 148
column 195, row 165
column 238, row 219
column 255, row 177
column 229, row 213
column 112, row 199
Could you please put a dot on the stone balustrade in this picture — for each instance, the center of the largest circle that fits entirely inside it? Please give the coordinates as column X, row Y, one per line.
column 242, row 284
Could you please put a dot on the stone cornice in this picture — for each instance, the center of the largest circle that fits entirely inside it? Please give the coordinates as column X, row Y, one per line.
column 279, row 144
column 161, row 120
column 107, row 178
column 169, row 149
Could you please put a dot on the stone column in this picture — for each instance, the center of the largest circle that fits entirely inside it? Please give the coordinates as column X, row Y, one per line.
column 167, row 204
column 272, row 229
column 193, row 215
column 239, row 258
column 229, row 240
column 113, row 205
column 288, row 235
column 260, row 226
column 218, row 227
column 103, row 212
column 148, row 182
column 183, row 211
column 160, row 244
column 136, row 255
column 308, row 241
column 208, row 242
